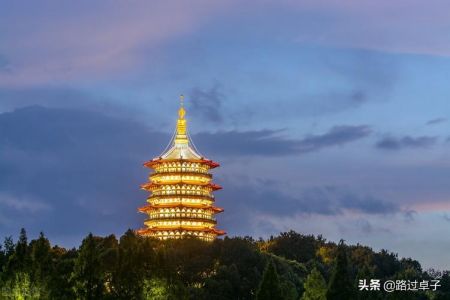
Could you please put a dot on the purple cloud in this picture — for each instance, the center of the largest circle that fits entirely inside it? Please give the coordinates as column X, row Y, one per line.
column 392, row 143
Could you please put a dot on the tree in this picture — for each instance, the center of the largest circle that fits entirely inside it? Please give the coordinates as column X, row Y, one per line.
column 40, row 257
column 21, row 257
column 386, row 263
column 18, row 257
column 293, row 245
column 230, row 268
column 8, row 246
column 130, row 267
column 40, row 262
column 315, row 286
column 269, row 288
column 89, row 277
column 243, row 253
column 443, row 293
column 340, row 286
column 224, row 284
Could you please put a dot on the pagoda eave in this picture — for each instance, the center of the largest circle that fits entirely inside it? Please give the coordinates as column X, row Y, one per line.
column 149, row 231
column 151, row 163
column 217, row 209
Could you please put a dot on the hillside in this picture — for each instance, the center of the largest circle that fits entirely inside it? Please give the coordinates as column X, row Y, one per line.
column 287, row 266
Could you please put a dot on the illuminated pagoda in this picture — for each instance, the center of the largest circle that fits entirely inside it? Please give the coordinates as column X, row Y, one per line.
column 181, row 199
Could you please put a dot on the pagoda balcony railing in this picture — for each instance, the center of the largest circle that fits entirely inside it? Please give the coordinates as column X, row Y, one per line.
column 167, row 178
column 154, row 221
column 182, row 173
column 187, row 203
column 182, row 192
column 209, row 197
column 181, row 216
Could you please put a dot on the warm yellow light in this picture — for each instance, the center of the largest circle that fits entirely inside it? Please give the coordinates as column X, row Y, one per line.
column 181, row 201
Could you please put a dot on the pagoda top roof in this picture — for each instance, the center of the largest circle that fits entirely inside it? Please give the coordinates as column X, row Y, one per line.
column 181, row 145
column 181, row 152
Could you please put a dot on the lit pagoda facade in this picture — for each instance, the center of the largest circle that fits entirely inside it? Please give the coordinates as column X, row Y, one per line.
column 181, row 201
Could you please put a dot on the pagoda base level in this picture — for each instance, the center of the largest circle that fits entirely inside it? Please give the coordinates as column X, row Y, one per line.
column 179, row 234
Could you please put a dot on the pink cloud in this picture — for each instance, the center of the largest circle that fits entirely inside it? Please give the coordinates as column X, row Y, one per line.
column 53, row 42
column 435, row 206
column 60, row 42
column 411, row 26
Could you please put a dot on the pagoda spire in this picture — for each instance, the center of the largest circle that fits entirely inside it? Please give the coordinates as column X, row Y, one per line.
column 181, row 137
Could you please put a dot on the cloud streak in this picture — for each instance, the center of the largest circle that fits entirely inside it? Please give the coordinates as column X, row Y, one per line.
column 436, row 121
column 270, row 143
column 92, row 40
column 207, row 103
column 80, row 164
column 271, row 199
column 74, row 164
column 393, row 143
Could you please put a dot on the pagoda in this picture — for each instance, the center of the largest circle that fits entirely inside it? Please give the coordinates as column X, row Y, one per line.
column 181, row 201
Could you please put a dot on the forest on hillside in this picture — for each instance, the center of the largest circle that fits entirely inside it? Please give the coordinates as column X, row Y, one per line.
column 288, row 266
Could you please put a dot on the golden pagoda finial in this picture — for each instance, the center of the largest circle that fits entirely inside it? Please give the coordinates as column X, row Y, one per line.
column 181, row 136
column 181, row 111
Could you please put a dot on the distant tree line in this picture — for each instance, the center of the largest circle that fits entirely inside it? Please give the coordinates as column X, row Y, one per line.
column 288, row 266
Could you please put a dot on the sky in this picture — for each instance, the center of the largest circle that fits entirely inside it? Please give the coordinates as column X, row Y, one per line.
column 327, row 117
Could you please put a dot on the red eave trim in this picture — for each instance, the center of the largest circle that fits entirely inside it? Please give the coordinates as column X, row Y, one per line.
column 148, row 186
column 143, row 231
column 215, row 186
column 217, row 209
column 150, row 230
column 218, row 231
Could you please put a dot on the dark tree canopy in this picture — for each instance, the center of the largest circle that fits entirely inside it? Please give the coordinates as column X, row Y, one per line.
column 290, row 266
column 269, row 288
column 340, row 285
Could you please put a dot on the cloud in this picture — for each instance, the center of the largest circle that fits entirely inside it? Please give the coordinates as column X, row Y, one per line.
column 364, row 226
column 409, row 215
column 371, row 74
column 436, row 121
column 446, row 217
column 86, row 40
column 12, row 98
column 270, row 143
column 367, row 26
column 271, row 199
column 207, row 103
column 31, row 206
column 4, row 64
column 337, row 135
column 393, row 143
column 82, row 41
column 73, row 166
